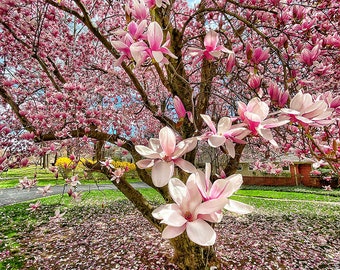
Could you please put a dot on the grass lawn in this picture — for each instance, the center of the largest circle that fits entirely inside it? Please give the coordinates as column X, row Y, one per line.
column 10, row 179
column 19, row 228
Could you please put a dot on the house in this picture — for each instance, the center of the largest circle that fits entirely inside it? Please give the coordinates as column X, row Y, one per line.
column 297, row 173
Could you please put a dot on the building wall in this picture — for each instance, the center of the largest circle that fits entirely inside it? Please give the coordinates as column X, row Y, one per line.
column 299, row 175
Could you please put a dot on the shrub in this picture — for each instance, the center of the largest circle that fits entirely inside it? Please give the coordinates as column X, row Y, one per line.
column 124, row 164
column 65, row 166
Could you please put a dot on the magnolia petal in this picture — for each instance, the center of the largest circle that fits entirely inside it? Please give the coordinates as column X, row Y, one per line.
column 315, row 109
column 290, row 111
column 296, row 102
column 141, row 28
column 174, row 218
column 184, row 146
column 193, row 198
column 155, row 145
column 158, row 56
column 214, row 217
column 230, row 147
column 211, row 39
column 323, row 115
column 167, row 139
column 238, row 207
column 171, row 232
column 185, row 165
column 155, row 36
column 200, row 181
column 119, row 45
column 209, row 122
column 272, row 123
column 146, row 152
column 215, row 53
column 304, row 119
column 161, row 173
column 201, row 233
column 211, row 206
column 145, row 163
column 265, row 133
column 216, row 140
column 190, row 143
column 178, row 190
column 224, row 125
column 163, row 210
column 226, row 187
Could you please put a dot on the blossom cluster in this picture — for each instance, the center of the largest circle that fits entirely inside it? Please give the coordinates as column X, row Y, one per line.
column 199, row 202
column 195, row 203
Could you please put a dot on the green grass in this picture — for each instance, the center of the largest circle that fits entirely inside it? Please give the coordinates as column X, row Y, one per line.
column 285, row 195
column 299, row 189
column 16, row 219
column 10, row 179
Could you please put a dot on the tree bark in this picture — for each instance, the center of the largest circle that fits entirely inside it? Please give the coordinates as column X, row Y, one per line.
column 190, row 256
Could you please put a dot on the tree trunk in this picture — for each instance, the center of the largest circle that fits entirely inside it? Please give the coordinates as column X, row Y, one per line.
column 190, row 256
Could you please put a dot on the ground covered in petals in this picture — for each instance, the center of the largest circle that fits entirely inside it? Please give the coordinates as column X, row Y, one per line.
column 116, row 236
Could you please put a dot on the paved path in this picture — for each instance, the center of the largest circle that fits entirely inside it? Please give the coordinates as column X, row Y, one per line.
column 15, row 195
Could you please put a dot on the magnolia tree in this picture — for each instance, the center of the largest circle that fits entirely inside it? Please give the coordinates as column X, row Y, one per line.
column 163, row 78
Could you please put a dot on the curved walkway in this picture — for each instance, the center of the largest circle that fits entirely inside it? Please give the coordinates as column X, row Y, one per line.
column 15, row 195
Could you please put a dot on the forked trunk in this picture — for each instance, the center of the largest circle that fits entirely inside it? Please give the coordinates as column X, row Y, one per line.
column 190, row 256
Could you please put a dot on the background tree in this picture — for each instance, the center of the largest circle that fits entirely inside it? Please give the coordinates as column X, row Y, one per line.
column 110, row 71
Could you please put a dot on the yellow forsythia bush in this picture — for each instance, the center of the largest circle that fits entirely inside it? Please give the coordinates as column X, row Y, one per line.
column 64, row 163
column 124, row 164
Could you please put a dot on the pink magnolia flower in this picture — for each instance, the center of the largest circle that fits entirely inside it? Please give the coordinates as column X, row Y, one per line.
column 309, row 56
column 117, row 174
column 45, row 190
column 328, row 188
column 332, row 101
column 304, row 110
column 57, row 216
column 27, row 135
column 34, row 206
column 24, row 162
column 180, row 109
column 120, row 142
column 134, row 33
column 107, row 164
column 158, row 3
column 254, row 114
column 73, row 181
column 254, row 82
column 278, row 97
column 231, row 61
column 163, row 154
column 221, row 188
column 225, row 134
column 188, row 213
column 26, row 183
column 315, row 172
column 123, row 46
column 76, row 196
column 154, row 49
column 138, row 9
column 259, row 55
column 212, row 49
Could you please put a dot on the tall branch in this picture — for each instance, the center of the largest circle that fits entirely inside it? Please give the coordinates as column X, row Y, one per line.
column 85, row 18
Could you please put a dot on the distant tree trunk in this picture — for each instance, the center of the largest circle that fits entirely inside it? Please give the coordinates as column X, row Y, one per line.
column 98, row 147
column 45, row 161
column 55, row 159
